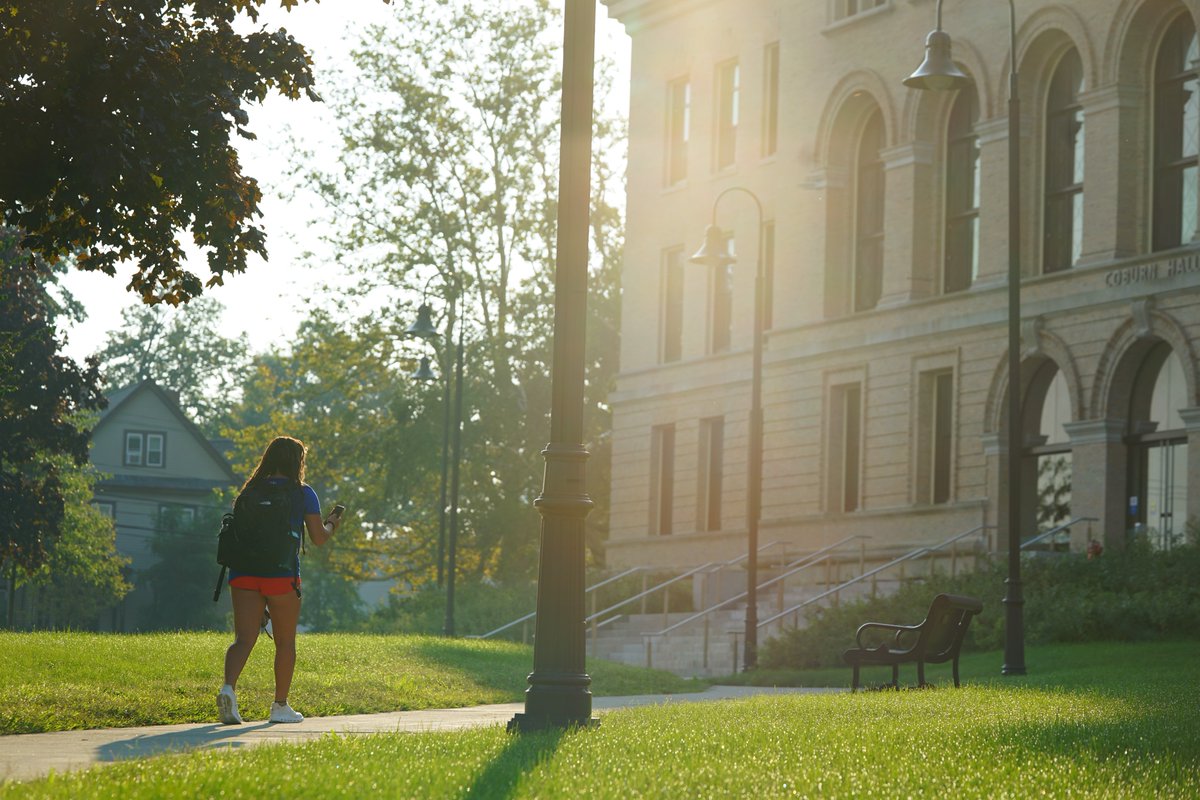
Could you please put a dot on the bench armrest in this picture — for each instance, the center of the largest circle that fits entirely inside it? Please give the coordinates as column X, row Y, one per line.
column 899, row 629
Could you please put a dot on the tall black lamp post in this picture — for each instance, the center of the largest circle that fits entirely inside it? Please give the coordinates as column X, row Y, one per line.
column 939, row 72
column 424, row 328
column 559, row 693
column 714, row 253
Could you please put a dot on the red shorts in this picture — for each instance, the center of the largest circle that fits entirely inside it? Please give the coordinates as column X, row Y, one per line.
column 265, row 586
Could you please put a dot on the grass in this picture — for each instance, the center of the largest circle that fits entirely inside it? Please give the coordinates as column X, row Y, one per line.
column 65, row 681
column 1111, row 720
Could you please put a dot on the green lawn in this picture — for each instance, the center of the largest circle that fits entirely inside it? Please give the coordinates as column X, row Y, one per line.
column 1104, row 720
column 63, row 681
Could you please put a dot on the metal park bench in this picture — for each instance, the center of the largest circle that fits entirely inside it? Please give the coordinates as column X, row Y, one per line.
column 936, row 640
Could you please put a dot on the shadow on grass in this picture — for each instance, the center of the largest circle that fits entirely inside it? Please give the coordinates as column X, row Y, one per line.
column 175, row 741
column 520, row 755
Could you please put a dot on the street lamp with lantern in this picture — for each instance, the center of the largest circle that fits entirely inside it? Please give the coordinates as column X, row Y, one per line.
column 423, row 328
column 938, row 72
column 714, row 253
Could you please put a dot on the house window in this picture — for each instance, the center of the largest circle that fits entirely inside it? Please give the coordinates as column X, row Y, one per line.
column 728, row 102
column 868, row 220
column 105, row 507
column 711, row 461
column 143, row 449
column 1176, row 135
column 672, row 305
column 721, row 310
column 844, row 9
column 174, row 517
column 845, row 446
column 662, row 479
column 770, row 143
column 679, row 122
column 961, row 259
column 935, row 435
column 1063, row 224
column 768, row 246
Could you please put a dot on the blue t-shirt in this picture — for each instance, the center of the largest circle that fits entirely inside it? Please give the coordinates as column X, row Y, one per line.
column 307, row 503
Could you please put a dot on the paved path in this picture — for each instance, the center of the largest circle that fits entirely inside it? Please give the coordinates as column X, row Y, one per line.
column 35, row 755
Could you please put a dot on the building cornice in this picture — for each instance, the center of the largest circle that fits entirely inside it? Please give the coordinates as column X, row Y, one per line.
column 637, row 15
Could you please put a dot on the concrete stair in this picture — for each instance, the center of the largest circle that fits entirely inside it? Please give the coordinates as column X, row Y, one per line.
column 707, row 647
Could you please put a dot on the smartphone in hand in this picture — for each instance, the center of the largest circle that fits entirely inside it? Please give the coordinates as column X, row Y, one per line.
column 336, row 513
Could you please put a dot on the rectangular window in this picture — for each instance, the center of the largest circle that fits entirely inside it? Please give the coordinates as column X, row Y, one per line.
column 679, row 121
column 728, row 111
column 770, row 122
column 662, row 479
column 134, row 447
column 721, row 303
column 711, row 466
column 154, row 449
column 768, row 246
column 672, row 305
column 935, row 429
column 849, row 8
column 175, row 517
column 845, row 446
column 106, row 508
column 143, row 449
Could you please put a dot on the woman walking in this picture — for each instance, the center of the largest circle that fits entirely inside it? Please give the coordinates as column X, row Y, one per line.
column 278, row 591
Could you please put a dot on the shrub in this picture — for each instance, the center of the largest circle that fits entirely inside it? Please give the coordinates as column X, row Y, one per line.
column 1140, row 594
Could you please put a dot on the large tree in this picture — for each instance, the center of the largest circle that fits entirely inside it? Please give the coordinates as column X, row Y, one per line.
column 117, row 117
column 44, row 398
column 446, row 188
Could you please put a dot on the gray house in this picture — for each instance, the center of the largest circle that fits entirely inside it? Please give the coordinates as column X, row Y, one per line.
column 157, row 464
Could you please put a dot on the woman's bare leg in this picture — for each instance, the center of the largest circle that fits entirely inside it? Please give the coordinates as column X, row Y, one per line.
column 247, row 616
column 285, row 614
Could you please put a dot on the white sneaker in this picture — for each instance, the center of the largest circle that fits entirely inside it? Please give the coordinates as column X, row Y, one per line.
column 282, row 712
column 227, row 706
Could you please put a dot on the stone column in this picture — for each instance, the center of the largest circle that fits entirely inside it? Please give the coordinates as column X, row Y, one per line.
column 1099, row 481
column 1116, row 160
column 908, row 264
column 993, row 201
column 996, row 512
column 1191, row 421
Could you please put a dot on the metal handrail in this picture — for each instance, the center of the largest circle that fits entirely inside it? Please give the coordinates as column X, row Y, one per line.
column 920, row 551
column 649, row 591
column 533, row 614
column 707, row 566
column 811, row 557
column 1054, row 531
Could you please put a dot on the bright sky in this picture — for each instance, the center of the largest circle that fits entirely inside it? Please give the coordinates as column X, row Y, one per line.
column 268, row 299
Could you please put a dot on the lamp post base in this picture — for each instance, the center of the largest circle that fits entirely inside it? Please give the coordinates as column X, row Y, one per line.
column 561, row 700
column 527, row 723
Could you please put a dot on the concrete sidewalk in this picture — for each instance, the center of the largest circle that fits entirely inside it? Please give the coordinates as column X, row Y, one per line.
column 35, row 755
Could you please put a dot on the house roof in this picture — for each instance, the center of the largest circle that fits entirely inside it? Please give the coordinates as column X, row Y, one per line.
column 121, row 396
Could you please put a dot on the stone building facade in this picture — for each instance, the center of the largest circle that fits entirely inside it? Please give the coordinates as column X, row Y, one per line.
column 884, row 240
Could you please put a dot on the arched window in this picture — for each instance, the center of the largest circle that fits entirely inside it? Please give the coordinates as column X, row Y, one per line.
column 961, row 259
column 868, row 218
column 1176, row 135
column 1062, row 232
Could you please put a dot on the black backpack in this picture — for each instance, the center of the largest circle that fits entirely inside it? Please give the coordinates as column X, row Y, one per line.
column 257, row 538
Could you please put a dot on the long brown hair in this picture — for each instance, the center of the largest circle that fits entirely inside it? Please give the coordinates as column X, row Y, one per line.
column 283, row 456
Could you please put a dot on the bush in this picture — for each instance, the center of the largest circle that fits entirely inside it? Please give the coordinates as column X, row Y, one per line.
column 478, row 608
column 1137, row 595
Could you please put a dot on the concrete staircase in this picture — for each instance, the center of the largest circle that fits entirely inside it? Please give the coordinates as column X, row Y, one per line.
column 711, row 646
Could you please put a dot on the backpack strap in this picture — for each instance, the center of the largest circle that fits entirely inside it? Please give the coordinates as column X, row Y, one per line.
column 220, row 583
